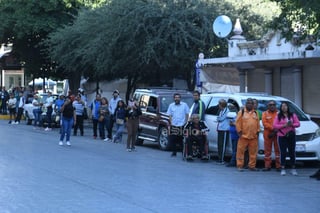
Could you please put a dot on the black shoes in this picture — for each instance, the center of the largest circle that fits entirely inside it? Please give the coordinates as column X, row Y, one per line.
column 266, row 169
column 316, row 175
column 174, row 154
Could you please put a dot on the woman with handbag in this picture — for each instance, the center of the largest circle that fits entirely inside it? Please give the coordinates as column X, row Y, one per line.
column 103, row 119
column 120, row 118
column 285, row 124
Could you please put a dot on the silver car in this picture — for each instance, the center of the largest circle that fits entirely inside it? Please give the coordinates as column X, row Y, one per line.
column 308, row 134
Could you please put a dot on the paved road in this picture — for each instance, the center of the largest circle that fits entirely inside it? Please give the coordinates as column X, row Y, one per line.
column 37, row 175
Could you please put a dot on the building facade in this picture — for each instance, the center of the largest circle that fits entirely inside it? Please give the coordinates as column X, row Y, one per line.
column 275, row 66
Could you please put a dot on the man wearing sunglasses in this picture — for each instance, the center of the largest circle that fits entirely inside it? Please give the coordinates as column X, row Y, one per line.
column 270, row 137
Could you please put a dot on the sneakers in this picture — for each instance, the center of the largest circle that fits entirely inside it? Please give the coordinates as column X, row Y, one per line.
column 68, row 143
column 133, row 149
column 129, row 150
column 60, row 143
column 47, row 129
column 240, row 169
column 283, row 172
column 107, row 140
column 294, row 172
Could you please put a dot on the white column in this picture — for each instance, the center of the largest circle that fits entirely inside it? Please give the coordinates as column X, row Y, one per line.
column 242, row 76
column 268, row 82
column 297, row 86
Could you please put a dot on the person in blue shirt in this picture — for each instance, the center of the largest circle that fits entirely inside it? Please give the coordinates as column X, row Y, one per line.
column 223, row 130
column 95, row 106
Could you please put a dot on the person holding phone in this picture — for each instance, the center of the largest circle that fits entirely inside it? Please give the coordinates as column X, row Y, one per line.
column 285, row 124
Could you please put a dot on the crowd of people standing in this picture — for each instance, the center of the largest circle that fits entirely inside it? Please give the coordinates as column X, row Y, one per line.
column 243, row 129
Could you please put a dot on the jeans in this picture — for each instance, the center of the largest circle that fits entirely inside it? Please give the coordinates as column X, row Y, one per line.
column 118, row 135
column 67, row 124
column 37, row 117
column 234, row 151
column 103, row 125
column 49, row 116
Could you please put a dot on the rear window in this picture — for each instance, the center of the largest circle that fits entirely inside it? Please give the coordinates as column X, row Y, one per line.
column 165, row 101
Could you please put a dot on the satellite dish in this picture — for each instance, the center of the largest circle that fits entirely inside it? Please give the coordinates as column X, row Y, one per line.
column 222, row 26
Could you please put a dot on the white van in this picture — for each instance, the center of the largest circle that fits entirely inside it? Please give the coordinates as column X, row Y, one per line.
column 308, row 134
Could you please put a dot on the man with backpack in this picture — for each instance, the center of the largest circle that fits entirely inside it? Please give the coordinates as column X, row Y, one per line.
column 248, row 128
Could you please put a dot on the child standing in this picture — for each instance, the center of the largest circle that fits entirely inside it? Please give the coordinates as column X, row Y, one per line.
column 12, row 107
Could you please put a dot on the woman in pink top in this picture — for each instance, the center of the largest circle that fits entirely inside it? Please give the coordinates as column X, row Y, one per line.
column 285, row 124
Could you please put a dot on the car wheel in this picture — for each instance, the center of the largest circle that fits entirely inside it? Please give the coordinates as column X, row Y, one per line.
column 163, row 139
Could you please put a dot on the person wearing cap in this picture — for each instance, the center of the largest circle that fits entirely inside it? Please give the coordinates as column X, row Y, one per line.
column 112, row 107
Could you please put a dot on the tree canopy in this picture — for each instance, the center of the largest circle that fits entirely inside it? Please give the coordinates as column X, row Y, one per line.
column 148, row 40
column 299, row 17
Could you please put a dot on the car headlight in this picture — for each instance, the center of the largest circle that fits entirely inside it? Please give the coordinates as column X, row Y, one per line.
column 317, row 133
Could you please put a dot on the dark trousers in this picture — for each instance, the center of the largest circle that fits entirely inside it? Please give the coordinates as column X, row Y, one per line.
column 110, row 126
column 132, row 129
column 287, row 144
column 95, row 127
column 78, row 125
column 223, row 138
column 20, row 111
column 49, row 116
column 200, row 140
column 176, row 137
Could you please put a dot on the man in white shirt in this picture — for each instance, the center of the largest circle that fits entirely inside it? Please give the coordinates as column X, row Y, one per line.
column 178, row 112
column 20, row 108
column 48, row 104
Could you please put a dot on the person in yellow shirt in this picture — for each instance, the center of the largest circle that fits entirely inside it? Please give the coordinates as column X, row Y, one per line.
column 248, row 127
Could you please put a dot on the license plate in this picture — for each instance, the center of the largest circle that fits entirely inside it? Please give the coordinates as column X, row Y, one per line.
column 300, row 148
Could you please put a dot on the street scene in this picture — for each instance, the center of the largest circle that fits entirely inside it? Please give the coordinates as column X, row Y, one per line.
column 38, row 175
column 169, row 106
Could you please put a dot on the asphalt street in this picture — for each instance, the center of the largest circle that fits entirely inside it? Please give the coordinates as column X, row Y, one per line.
column 38, row 175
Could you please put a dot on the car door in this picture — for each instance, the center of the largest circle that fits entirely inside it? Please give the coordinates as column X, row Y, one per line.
column 149, row 119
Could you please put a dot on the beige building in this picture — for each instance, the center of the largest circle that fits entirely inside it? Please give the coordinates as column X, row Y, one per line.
column 275, row 66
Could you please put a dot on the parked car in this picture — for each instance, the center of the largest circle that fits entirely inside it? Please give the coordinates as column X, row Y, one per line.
column 28, row 108
column 154, row 121
column 308, row 134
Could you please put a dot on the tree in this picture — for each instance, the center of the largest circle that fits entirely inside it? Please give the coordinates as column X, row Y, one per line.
column 27, row 23
column 144, row 40
column 298, row 17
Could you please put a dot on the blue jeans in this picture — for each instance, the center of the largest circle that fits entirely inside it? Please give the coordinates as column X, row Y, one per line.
column 49, row 116
column 37, row 116
column 234, row 151
column 118, row 135
column 67, row 124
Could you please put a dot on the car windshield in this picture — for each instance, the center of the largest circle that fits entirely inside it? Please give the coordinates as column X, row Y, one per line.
column 262, row 106
column 167, row 100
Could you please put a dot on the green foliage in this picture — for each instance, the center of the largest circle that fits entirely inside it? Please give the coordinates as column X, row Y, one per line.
column 300, row 17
